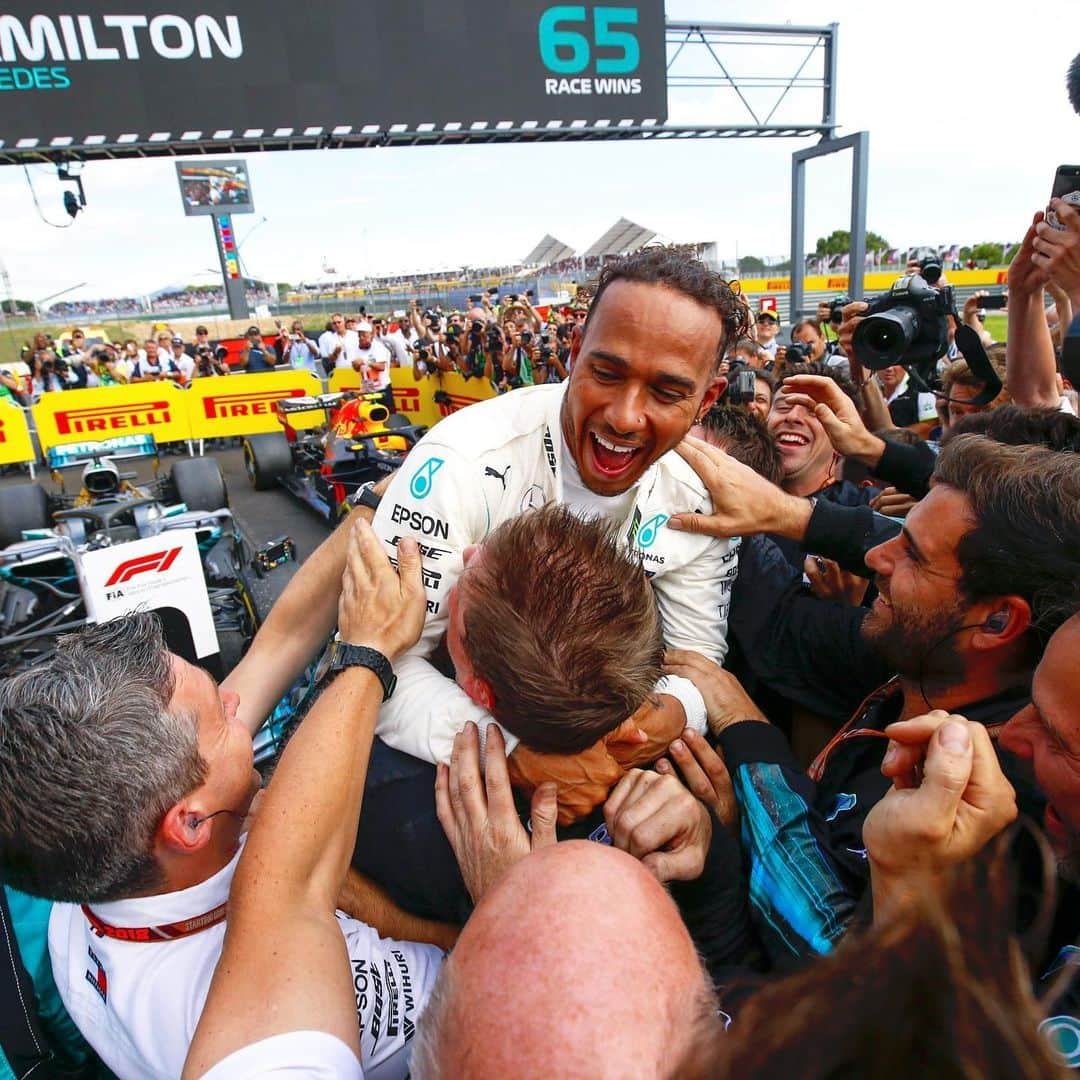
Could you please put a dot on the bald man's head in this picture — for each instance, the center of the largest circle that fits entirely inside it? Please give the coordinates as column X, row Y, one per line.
column 576, row 963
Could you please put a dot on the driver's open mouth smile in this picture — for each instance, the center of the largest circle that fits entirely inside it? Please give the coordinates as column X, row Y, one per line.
column 611, row 458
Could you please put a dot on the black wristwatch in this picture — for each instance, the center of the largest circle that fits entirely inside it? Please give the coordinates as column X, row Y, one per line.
column 341, row 655
column 365, row 496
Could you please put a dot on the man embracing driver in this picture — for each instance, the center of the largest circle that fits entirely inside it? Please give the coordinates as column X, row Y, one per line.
column 644, row 370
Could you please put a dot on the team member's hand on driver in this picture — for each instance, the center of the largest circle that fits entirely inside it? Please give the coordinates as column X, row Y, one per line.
column 478, row 815
column 657, row 820
column 380, row 607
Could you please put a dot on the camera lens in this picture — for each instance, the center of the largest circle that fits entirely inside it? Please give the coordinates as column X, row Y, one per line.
column 882, row 340
column 931, row 271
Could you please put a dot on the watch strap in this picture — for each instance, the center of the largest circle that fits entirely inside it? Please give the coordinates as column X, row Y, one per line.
column 346, row 655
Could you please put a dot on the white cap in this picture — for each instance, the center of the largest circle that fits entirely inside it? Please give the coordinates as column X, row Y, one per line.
column 363, row 328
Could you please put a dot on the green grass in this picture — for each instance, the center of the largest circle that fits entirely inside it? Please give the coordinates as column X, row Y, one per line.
column 998, row 326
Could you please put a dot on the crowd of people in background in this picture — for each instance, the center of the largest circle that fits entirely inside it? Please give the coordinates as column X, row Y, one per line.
column 713, row 715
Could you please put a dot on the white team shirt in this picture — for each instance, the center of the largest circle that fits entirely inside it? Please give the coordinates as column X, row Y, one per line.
column 300, row 1055
column 375, row 353
column 496, row 459
column 138, row 1003
column 396, row 343
column 329, row 341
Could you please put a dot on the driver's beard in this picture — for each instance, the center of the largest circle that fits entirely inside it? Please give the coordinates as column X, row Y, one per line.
column 920, row 650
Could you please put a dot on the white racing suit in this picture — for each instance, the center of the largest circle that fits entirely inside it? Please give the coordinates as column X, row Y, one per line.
column 494, row 460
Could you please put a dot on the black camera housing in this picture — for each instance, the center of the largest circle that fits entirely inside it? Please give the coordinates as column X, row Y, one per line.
column 836, row 309
column 526, row 337
column 798, row 352
column 908, row 325
column 742, row 385
column 931, row 268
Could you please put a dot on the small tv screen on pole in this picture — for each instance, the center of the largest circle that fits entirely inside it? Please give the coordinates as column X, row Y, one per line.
column 214, row 187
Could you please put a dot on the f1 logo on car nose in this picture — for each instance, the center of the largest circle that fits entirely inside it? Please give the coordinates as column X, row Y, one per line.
column 422, row 481
column 647, row 536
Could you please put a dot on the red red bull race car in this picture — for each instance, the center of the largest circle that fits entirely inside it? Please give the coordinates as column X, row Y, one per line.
column 329, row 447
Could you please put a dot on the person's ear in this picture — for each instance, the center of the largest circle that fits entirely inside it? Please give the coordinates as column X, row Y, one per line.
column 627, row 734
column 183, row 829
column 712, row 395
column 1005, row 620
column 479, row 690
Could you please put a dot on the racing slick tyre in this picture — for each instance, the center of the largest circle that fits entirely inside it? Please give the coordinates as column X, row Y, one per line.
column 199, row 484
column 24, row 506
column 266, row 459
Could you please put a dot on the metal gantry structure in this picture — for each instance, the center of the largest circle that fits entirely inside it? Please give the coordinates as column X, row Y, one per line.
column 790, row 94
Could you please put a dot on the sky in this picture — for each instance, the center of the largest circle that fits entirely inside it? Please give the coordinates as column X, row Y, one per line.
column 965, row 104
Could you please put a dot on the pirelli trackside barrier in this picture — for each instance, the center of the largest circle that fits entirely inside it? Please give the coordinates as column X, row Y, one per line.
column 211, row 408
column 15, row 442
column 244, row 405
column 416, row 400
column 154, row 408
column 872, row 283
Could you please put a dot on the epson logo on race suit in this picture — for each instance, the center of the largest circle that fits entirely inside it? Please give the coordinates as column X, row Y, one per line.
column 424, row 478
column 424, row 524
column 646, row 536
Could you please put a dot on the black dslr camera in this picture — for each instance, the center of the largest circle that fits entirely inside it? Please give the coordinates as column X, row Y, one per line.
column 930, row 268
column 836, row 309
column 742, row 384
column 907, row 325
column 797, row 352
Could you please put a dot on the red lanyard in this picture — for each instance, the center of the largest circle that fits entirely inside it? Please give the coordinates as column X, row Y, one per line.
column 168, row 932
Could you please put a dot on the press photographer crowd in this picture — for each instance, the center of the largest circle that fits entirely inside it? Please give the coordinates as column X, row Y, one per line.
column 705, row 704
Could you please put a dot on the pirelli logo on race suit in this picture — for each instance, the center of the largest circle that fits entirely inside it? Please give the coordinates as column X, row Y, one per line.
column 260, row 403
column 129, row 417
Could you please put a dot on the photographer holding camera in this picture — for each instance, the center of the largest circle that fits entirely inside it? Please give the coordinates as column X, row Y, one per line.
column 207, row 363
column 48, row 372
column 517, row 363
column 298, row 350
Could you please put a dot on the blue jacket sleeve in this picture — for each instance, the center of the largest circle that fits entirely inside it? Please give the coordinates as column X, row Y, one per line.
column 801, row 898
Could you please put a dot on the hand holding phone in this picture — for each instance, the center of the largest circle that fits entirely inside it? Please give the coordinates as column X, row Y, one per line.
column 1067, row 187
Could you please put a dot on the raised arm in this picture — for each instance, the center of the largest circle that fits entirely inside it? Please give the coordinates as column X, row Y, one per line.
column 281, row 904
column 1031, row 368
column 298, row 625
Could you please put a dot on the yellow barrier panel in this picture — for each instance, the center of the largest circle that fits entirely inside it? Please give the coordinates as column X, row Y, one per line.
column 16, row 446
column 415, row 399
column 875, row 282
column 154, row 408
column 244, row 404
column 345, row 378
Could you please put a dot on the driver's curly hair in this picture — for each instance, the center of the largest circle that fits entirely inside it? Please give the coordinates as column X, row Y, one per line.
column 673, row 268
